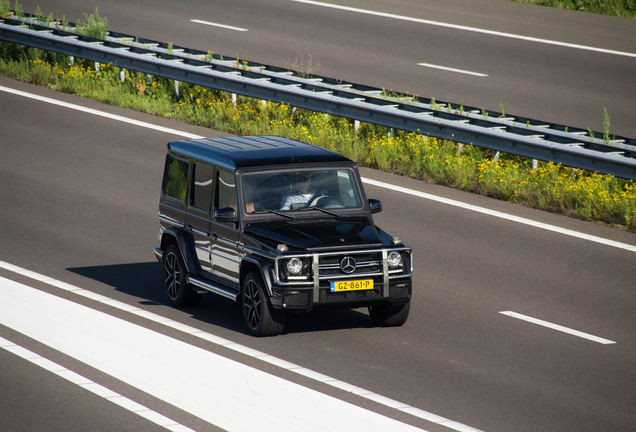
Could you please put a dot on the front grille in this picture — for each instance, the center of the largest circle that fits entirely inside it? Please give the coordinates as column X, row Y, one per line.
column 366, row 263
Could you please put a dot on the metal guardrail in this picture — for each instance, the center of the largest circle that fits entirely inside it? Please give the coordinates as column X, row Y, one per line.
column 516, row 135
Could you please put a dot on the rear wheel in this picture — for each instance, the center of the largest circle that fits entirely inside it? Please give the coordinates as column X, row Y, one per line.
column 179, row 292
column 389, row 316
column 261, row 318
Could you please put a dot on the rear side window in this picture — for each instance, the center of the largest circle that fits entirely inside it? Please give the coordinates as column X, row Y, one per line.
column 226, row 190
column 176, row 178
column 202, row 186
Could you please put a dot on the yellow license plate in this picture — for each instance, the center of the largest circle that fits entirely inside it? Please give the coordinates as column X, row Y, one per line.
column 352, row 285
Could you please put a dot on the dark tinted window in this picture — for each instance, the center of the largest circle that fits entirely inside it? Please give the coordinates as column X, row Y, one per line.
column 202, row 186
column 176, row 178
column 226, row 190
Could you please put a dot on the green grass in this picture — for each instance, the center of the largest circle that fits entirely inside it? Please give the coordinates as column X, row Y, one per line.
column 551, row 187
column 620, row 8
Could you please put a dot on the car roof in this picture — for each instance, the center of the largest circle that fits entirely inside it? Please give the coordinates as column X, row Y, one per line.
column 237, row 152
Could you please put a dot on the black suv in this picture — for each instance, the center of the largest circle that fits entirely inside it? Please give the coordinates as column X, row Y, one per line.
column 279, row 226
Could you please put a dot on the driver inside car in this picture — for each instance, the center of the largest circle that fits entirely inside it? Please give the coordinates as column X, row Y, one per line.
column 301, row 192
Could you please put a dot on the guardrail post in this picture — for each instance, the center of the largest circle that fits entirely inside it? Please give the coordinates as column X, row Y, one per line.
column 97, row 68
column 356, row 126
column 234, row 99
column 496, row 157
column 176, row 88
column 122, row 75
column 535, row 164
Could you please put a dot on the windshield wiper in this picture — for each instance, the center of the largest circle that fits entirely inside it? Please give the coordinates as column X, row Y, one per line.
column 320, row 209
column 275, row 212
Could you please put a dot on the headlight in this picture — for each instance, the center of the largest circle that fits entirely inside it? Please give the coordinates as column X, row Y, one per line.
column 394, row 259
column 294, row 266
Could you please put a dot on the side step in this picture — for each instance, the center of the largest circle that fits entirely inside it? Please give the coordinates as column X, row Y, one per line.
column 213, row 288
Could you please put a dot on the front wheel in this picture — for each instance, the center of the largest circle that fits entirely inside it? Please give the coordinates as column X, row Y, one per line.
column 261, row 318
column 179, row 292
column 384, row 315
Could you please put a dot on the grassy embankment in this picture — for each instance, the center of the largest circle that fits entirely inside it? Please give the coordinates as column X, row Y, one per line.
column 551, row 187
column 620, row 8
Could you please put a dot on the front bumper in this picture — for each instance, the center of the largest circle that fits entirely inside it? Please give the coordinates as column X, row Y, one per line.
column 389, row 285
column 303, row 299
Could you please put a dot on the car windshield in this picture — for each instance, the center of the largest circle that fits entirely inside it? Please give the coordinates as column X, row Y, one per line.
column 300, row 189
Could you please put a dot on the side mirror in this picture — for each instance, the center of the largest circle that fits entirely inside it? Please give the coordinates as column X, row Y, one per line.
column 225, row 214
column 375, row 205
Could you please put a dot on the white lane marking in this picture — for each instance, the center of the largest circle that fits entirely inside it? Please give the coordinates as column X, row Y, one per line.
column 501, row 215
column 99, row 113
column 452, row 69
column 465, row 28
column 283, row 364
column 219, row 25
column 223, row 392
column 558, row 327
column 365, row 180
column 91, row 386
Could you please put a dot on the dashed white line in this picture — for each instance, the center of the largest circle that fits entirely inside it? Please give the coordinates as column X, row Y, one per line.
column 283, row 364
column 219, row 25
column 558, row 327
column 465, row 28
column 452, row 69
column 92, row 386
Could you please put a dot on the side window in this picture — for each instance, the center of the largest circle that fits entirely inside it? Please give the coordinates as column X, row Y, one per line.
column 225, row 190
column 201, row 194
column 176, row 178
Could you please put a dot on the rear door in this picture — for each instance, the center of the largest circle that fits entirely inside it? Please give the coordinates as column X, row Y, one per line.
column 198, row 216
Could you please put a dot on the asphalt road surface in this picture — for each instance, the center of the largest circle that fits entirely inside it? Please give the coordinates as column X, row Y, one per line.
column 548, row 81
column 79, row 202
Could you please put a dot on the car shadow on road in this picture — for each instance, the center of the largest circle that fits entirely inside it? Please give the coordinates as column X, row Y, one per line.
column 145, row 281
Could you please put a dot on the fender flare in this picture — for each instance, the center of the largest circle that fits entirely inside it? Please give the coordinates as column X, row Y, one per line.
column 184, row 243
column 265, row 268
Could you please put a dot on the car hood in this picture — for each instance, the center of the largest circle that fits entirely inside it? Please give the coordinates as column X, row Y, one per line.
column 312, row 234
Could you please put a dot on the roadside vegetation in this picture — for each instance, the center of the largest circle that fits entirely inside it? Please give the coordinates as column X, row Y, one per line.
column 551, row 187
column 620, row 8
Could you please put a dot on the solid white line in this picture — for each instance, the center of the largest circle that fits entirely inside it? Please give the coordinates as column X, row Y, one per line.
column 221, row 391
column 465, row 28
column 558, row 327
column 283, row 364
column 524, row 221
column 501, row 215
column 100, row 113
column 91, row 386
column 219, row 25
column 452, row 70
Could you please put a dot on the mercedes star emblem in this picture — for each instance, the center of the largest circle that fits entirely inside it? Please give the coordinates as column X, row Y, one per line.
column 348, row 264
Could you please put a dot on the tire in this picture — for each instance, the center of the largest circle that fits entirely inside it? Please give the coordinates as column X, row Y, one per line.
column 260, row 317
column 179, row 292
column 384, row 315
